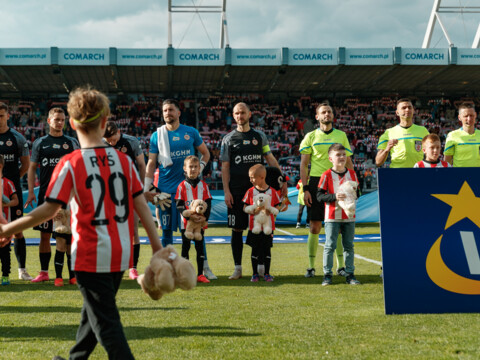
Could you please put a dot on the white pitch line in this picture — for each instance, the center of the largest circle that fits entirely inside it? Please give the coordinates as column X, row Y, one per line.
column 356, row 255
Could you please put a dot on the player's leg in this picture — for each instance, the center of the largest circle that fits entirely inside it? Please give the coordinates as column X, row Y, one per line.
column 316, row 213
column 252, row 241
column 206, row 268
column 348, row 234
column 199, row 246
column 71, row 274
column 267, row 254
column 166, row 221
column 331, row 235
column 340, row 259
column 185, row 245
column 45, row 253
column 133, row 273
column 299, row 215
column 6, row 264
column 61, row 249
column 238, row 221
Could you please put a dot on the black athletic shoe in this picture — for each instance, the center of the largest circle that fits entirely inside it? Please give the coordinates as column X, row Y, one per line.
column 351, row 280
column 310, row 273
column 327, row 280
column 342, row 272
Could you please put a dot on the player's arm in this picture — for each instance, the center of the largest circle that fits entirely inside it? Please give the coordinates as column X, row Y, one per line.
column 149, row 171
column 226, row 183
column 140, row 159
column 143, row 212
column 24, row 164
column 304, row 162
column 272, row 161
column 382, row 154
column 13, row 201
column 449, row 159
column 40, row 214
column 32, row 173
column 203, row 150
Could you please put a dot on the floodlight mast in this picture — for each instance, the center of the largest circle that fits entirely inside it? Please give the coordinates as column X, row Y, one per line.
column 435, row 15
column 197, row 9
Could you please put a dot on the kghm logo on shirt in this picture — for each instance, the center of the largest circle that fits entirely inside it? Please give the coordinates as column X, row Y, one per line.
column 458, row 236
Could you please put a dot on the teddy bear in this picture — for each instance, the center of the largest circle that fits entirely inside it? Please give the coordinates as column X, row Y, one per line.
column 167, row 271
column 261, row 219
column 348, row 205
column 61, row 222
column 193, row 230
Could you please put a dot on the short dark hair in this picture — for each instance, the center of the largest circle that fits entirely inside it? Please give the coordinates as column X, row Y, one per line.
column 171, row 102
column 404, row 100
column 325, row 103
column 336, row 147
column 3, row 106
column 110, row 129
column 466, row 105
column 55, row 110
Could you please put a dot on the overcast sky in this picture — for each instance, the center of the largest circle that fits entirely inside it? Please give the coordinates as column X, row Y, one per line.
column 251, row 24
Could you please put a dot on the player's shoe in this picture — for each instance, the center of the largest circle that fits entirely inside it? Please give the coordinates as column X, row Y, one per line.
column 209, row 273
column 133, row 274
column 237, row 273
column 255, row 278
column 261, row 270
column 352, row 280
column 310, row 273
column 342, row 272
column 327, row 280
column 202, row 279
column 72, row 281
column 57, row 357
column 5, row 280
column 58, row 282
column 298, row 226
column 43, row 276
column 307, row 226
column 268, row 277
column 24, row 275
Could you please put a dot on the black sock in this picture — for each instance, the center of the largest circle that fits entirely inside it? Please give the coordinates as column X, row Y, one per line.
column 136, row 255
column 200, row 256
column 5, row 257
column 59, row 259
column 237, row 246
column 45, row 260
column 71, row 273
column 20, row 248
column 268, row 260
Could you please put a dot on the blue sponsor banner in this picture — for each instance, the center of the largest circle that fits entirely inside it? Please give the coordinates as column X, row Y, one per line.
column 468, row 56
column 430, row 236
column 195, row 57
column 415, row 56
column 256, row 57
column 141, row 57
column 312, row 57
column 369, row 56
column 97, row 57
column 25, row 56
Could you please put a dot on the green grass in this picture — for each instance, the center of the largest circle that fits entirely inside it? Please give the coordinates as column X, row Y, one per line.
column 291, row 318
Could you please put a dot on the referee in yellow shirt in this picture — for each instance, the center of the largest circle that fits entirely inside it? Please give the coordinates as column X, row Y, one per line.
column 462, row 148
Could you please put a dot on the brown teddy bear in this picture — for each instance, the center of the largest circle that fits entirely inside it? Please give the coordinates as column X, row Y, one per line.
column 195, row 224
column 61, row 222
column 166, row 272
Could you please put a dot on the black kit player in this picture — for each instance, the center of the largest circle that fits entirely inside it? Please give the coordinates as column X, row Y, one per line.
column 14, row 148
column 46, row 153
column 241, row 149
column 131, row 146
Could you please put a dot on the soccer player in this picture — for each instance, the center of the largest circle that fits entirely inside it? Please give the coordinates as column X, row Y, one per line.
column 170, row 145
column 46, row 153
column 462, row 145
column 403, row 141
column 103, row 188
column 314, row 152
column 131, row 146
column 431, row 146
column 14, row 148
column 240, row 150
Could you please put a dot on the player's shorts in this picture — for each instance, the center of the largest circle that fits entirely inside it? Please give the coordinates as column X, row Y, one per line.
column 17, row 211
column 316, row 212
column 67, row 237
column 237, row 218
column 47, row 226
column 257, row 239
column 170, row 218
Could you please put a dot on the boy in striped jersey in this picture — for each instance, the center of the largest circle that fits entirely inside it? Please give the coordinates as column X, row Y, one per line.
column 431, row 146
column 190, row 189
column 103, row 188
column 336, row 220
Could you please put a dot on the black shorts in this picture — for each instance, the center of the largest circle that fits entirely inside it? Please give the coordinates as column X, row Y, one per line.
column 237, row 218
column 316, row 212
column 47, row 226
column 67, row 237
column 257, row 239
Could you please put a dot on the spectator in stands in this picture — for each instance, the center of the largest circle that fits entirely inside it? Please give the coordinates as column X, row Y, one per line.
column 404, row 141
column 170, row 145
column 241, row 149
column 314, row 150
column 462, row 145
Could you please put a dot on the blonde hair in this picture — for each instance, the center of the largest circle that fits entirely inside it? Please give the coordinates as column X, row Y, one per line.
column 190, row 158
column 87, row 107
column 258, row 170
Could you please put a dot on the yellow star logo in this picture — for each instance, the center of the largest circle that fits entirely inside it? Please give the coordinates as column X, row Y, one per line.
column 464, row 205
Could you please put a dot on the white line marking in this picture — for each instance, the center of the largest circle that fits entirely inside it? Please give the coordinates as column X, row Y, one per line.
column 356, row 255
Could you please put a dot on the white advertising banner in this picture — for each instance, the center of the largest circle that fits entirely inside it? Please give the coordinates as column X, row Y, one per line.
column 468, row 56
column 369, row 56
column 141, row 57
column 257, row 57
column 312, row 57
column 415, row 56
column 25, row 56
column 195, row 57
column 97, row 57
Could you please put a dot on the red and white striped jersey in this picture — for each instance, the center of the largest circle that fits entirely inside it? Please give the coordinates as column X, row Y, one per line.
column 100, row 184
column 426, row 164
column 8, row 191
column 330, row 182
column 187, row 192
column 248, row 199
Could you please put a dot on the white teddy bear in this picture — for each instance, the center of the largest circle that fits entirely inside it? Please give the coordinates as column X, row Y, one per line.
column 349, row 188
column 261, row 219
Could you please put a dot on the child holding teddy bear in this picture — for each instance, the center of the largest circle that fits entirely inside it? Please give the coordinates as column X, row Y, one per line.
column 190, row 190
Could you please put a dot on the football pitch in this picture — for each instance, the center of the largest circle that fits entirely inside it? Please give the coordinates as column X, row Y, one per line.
column 291, row 318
